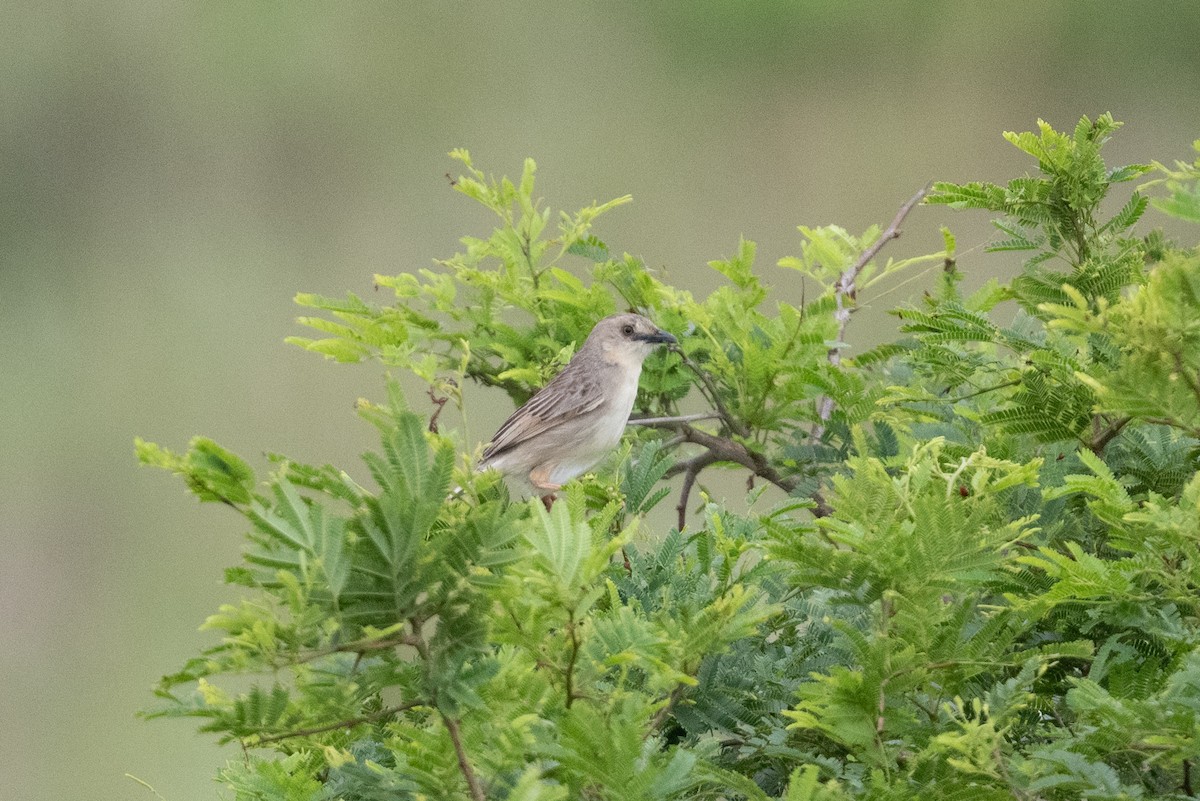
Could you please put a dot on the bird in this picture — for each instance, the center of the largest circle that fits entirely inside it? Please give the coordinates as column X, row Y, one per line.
column 572, row 422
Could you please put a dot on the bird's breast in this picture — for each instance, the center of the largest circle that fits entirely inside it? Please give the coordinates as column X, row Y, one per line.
column 623, row 392
column 600, row 431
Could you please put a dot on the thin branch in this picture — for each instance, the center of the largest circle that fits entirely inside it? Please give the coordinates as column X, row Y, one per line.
column 846, row 287
column 360, row 647
column 418, row 642
column 439, row 403
column 1002, row 769
column 463, row 763
column 691, row 472
column 341, row 724
column 1183, row 371
column 1101, row 438
column 885, row 613
column 735, row 425
column 661, row 715
column 673, row 442
column 569, row 676
column 822, row 509
column 728, row 450
column 668, row 422
column 417, row 639
column 719, row 449
column 1002, row 385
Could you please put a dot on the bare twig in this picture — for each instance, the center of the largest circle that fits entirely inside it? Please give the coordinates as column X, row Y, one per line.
column 1101, row 437
column 341, row 724
column 691, row 470
column 439, row 403
column 985, row 390
column 669, row 422
column 728, row 450
column 360, row 647
column 846, row 287
column 734, row 425
column 463, row 763
column 719, row 449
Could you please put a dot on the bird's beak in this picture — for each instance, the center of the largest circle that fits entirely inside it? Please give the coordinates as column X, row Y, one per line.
column 659, row 337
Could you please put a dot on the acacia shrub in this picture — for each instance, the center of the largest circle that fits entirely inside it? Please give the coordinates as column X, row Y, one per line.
column 981, row 583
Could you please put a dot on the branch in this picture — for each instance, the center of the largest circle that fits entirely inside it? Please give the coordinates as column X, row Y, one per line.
column 359, row 647
column 439, row 403
column 734, row 425
column 822, row 509
column 1002, row 385
column 691, row 471
column 885, row 612
column 727, row 450
column 341, row 724
column 569, row 675
column 417, row 638
column 846, row 287
column 660, row 717
column 719, row 449
column 1101, row 438
column 669, row 422
column 1182, row 370
column 463, row 763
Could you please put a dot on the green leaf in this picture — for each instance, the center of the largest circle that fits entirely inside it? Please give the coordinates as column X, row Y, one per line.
column 591, row 248
column 562, row 542
column 212, row 473
column 1129, row 214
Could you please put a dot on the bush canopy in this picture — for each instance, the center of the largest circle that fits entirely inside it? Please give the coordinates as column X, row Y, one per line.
column 968, row 566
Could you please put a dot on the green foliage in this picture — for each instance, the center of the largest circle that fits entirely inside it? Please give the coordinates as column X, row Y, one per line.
column 973, row 571
column 1183, row 188
column 1055, row 215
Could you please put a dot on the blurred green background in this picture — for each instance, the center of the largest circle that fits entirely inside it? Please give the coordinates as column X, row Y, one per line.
column 174, row 173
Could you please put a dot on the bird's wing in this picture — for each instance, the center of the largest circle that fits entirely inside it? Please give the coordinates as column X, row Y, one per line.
column 553, row 405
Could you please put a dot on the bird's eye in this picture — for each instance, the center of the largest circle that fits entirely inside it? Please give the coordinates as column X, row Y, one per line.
column 627, row 330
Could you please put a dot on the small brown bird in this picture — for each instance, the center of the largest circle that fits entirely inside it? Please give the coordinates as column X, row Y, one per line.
column 572, row 422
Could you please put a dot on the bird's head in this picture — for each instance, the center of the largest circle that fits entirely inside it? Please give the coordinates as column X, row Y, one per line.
column 626, row 338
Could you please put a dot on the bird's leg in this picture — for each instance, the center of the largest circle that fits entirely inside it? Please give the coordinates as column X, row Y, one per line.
column 539, row 477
